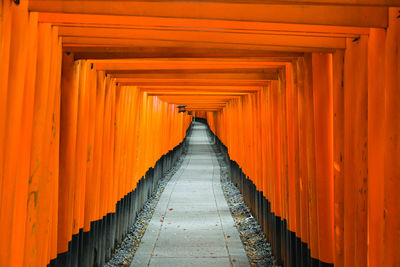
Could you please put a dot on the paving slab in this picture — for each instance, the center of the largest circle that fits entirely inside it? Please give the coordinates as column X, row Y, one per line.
column 192, row 225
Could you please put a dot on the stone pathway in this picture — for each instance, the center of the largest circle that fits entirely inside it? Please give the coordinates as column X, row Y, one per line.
column 192, row 224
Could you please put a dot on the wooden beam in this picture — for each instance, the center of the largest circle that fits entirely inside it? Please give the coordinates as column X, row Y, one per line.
column 191, row 105
column 130, row 82
column 199, row 98
column 210, row 93
column 198, row 76
column 207, row 109
column 387, row 3
column 133, row 44
column 223, row 89
column 115, row 36
column 195, row 106
column 336, row 2
column 204, row 109
column 314, row 2
column 187, row 64
column 67, row 19
column 293, row 32
column 194, row 103
column 273, row 59
column 199, row 104
column 359, row 16
column 172, row 52
column 193, row 71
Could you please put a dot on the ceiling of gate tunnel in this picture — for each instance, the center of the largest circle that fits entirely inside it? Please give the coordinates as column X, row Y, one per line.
column 202, row 84
column 204, row 54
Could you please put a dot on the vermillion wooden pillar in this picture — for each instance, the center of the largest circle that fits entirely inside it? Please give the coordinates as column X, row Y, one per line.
column 292, row 154
column 29, row 120
column 376, row 146
column 14, row 158
column 310, row 157
column 355, row 152
column 68, row 132
column 276, row 201
column 323, row 123
column 90, row 182
column 98, row 143
column 298, row 216
column 81, row 146
column 303, row 166
column 43, row 184
column 269, row 143
column 392, row 142
column 283, row 168
column 338, row 153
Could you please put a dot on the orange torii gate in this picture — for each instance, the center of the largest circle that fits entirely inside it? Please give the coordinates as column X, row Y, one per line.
column 304, row 94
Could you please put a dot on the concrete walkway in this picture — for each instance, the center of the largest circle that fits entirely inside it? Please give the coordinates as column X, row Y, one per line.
column 192, row 224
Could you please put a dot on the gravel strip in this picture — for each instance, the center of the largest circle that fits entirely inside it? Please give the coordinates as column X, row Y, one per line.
column 124, row 253
column 253, row 238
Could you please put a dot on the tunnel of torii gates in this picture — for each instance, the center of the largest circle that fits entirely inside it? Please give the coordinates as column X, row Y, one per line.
column 304, row 95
